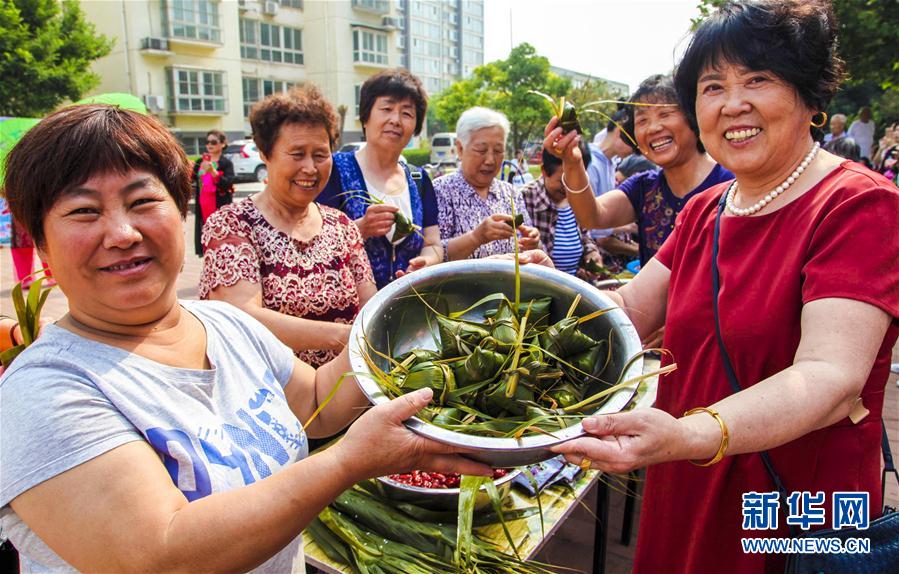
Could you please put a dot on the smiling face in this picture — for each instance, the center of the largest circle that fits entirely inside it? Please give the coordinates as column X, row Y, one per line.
column 664, row 134
column 391, row 123
column 299, row 165
column 116, row 245
column 482, row 158
column 753, row 123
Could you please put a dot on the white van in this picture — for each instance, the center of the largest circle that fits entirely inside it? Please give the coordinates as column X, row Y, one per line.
column 443, row 148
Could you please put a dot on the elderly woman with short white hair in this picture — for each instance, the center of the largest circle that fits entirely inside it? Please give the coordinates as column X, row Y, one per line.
column 475, row 208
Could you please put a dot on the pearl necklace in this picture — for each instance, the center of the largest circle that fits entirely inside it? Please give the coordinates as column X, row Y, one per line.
column 758, row 205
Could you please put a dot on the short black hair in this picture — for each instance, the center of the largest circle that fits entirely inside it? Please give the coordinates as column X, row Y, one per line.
column 657, row 89
column 794, row 40
column 615, row 120
column 551, row 163
column 398, row 83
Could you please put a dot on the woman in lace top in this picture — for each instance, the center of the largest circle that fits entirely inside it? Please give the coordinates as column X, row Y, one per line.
column 298, row 267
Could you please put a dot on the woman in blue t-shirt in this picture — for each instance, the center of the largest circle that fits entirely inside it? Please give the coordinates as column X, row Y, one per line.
column 652, row 198
column 372, row 184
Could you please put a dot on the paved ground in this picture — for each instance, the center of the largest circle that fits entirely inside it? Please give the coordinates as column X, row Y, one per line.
column 573, row 545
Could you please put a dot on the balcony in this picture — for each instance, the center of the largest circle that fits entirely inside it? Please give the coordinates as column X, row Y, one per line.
column 374, row 6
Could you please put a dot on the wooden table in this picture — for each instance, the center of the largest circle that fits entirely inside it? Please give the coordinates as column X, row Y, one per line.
column 557, row 506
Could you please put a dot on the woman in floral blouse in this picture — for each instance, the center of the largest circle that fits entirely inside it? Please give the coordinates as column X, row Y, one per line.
column 298, row 267
column 474, row 207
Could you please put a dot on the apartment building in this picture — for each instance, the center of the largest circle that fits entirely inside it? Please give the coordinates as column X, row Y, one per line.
column 202, row 64
column 441, row 41
column 578, row 79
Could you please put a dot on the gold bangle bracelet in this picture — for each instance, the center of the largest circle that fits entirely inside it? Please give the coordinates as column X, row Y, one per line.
column 725, row 436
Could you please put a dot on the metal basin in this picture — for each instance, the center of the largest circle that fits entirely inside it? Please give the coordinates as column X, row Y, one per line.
column 395, row 320
column 441, row 498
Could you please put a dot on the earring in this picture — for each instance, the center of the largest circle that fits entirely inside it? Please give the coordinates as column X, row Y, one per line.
column 820, row 124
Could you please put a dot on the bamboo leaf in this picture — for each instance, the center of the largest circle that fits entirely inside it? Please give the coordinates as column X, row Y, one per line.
column 497, row 503
column 327, row 400
column 468, row 492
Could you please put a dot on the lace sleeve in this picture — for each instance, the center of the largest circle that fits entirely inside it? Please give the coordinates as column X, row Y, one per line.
column 230, row 255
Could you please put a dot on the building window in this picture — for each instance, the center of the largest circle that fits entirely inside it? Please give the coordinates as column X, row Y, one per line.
column 200, row 91
column 358, row 97
column 369, row 47
column 379, row 6
column 193, row 20
column 298, row 4
column 270, row 43
column 193, row 145
column 255, row 89
column 401, row 41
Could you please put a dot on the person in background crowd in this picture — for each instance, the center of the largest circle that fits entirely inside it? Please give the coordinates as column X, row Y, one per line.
column 616, row 245
column 567, row 244
column 371, row 185
column 885, row 156
column 213, row 178
column 144, row 433
column 521, row 162
column 652, row 199
column 809, row 322
column 837, row 128
column 844, row 147
column 632, row 165
column 862, row 131
column 22, row 251
column 296, row 266
column 474, row 207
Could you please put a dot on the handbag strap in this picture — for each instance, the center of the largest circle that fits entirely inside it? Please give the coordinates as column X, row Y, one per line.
column 725, row 358
column 735, row 385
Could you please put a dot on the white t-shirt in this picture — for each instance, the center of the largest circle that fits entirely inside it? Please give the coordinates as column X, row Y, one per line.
column 863, row 134
column 399, row 199
column 67, row 400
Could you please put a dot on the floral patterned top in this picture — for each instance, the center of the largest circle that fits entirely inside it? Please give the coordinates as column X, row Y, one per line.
column 317, row 279
column 461, row 209
column 657, row 207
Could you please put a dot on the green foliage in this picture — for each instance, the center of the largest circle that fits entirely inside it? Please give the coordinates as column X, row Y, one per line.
column 868, row 38
column 591, row 91
column 417, row 157
column 503, row 85
column 46, row 48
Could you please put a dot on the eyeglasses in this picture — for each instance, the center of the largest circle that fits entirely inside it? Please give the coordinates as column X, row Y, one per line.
column 212, row 142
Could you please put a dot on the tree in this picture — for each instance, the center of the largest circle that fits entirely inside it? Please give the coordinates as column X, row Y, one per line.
column 593, row 91
column 46, row 48
column 868, row 36
column 503, row 85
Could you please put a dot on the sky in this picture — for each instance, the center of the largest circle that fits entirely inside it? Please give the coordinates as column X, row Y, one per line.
column 621, row 40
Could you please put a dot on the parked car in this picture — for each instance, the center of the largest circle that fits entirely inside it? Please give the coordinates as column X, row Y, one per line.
column 247, row 163
column 443, row 148
column 533, row 153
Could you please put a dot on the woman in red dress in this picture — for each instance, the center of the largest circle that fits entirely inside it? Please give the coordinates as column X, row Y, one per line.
column 298, row 267
column 808, row 302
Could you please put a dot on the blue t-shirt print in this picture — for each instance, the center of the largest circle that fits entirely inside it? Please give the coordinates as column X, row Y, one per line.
column 250, row 449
